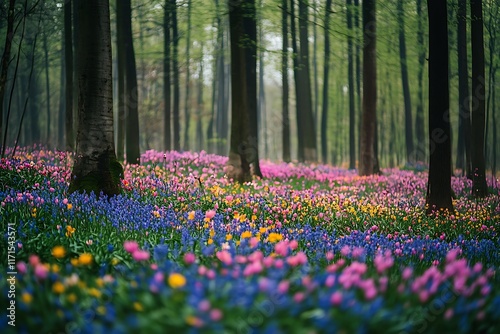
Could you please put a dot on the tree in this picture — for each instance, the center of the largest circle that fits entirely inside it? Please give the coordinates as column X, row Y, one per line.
column 285, row 136
column 131, row 93
column 406, row 86
column 238, row 165
column 326, row 73
column 167, row 111
column 419, row 117
column 4, row 65
column 439, row 183
column 95, row 167
column 304, row 83
column 250, row 45
column 479, row 187
column 350, row 78
column 121, row 56
column 68, row 61
column 175, row 69
column 188, row 78
column 368, row 162
column 464, row 121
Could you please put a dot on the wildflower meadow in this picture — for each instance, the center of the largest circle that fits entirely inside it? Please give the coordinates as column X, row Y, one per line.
column 183, row 249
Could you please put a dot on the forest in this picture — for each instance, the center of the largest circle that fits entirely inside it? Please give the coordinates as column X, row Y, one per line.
column 255, row 166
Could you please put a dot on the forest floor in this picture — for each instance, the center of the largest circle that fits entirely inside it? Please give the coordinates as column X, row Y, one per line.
column 306, row 249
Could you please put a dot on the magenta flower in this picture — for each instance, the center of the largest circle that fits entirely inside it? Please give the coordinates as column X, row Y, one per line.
column 41, row 271
column 140, row 255
column 131, row 246
column 22, row 267
column 336, row 298
column 210, row 214
column 215, row 314
column 189, row 258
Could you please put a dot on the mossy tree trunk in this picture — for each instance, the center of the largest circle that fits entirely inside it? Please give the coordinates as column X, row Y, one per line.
column 95, row 168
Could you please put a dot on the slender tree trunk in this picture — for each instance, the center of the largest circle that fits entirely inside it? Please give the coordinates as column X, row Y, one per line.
column 299, row 99
column 175, row 69
column 464, row 132
column 62, row 101
column 419, row 119
column 310, row 141
column 238, row 164
column 350, row 76
column 285, row 95
column 167, row 129
column 479, row 187
column 315, row 63
column 131, row 91
column 121, row 56
column 326, row 74
column 47, row 85
column 262, row 115
column 368, row 160
column 199, row 108
column 439, row 184
column 406, row 86
column 4, row 65
column 95, row 168
column 358, row 74
column 68, row 55
column 188, row 79
column 250, row 46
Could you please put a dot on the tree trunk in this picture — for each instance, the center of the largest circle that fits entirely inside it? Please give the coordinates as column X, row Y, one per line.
column 199, row 108
column 238, row 165
column 326, row 74
column 62, row 101
column 262, row 111
column 188, row 79
column 47, row 86
column 479, row 187
column 285, row 136
column 175, row 69
column 464, row 120
column 250, row 45
column 419, row 119
column 350, row 78
column 95, row 168
column 406, row 86
column 439, row 184
column 4, row 65
column 121, row 56
column 131, row 91
column 368, row 160
column 68, row 58
column 299, row 99
column 358, row 74
column 310, row 145
column 167, row 129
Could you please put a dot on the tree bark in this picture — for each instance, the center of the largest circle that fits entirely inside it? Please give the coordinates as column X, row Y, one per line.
column 131, row 91
column 464, row 120
column 479, row 187
column 326, row 74
column 419, row 119
column 439, row 196
column 368, row 160
column 121, row 56
column 4, row 65
column 95, row 167
column 350, row 78
column 310, row 145
column 175, row 69
column 167, row 129
column 406, row 86
column 187, row 115
column 238, row 165
column 285, row 136
column 299, row 99
column 250, row 46
column 68, row 55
